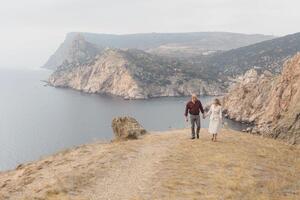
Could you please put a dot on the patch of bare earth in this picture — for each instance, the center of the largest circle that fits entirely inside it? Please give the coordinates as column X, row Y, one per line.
column 162, row 166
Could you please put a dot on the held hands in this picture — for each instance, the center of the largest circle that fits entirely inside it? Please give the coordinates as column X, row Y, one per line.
column 186, row 119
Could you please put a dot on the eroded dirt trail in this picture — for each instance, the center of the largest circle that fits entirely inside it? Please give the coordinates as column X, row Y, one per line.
column 131, row 177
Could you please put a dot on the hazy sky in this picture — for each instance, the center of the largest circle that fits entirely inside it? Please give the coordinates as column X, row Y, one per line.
column 31, row 30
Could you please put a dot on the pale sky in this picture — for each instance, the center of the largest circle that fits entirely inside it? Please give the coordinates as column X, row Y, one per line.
column 31, row 30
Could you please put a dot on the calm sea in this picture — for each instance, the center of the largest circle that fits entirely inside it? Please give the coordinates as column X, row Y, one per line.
column 36, row 120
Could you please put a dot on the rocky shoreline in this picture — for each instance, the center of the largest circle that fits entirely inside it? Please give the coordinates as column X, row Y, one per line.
column 138, row 97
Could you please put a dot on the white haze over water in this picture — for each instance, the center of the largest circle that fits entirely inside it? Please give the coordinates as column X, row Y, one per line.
column 31, row 30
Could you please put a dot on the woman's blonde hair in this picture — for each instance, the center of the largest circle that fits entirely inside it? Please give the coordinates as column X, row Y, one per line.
column 217, row 102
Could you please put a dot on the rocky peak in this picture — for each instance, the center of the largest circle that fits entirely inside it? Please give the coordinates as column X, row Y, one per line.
column 81, row 51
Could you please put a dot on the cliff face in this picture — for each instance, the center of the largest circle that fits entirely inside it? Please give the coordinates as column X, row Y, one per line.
column 133, row 74
column 272, row 103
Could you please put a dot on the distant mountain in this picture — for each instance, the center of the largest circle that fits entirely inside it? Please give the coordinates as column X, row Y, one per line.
column 77, row 50
column 167, row 44
column 133, row 74
column 268, row 55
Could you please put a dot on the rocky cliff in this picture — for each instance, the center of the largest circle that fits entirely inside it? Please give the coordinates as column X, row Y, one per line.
column 272, row 103
column 134, row 74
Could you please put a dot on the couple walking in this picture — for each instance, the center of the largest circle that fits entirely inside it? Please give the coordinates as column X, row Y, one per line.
column 194, row 107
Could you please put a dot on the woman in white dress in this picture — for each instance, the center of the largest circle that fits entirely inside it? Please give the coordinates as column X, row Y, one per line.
column 215, row 120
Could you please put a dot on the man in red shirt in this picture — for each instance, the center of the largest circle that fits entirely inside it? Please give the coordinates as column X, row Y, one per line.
column 193, row 108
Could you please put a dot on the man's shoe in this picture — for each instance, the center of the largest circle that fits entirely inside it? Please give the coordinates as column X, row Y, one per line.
column 197, row 136
column 192, row 138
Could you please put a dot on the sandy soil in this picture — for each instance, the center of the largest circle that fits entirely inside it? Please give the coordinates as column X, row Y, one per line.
column 164, row 165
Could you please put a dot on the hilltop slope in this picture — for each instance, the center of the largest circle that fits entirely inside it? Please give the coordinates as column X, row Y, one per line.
column 134, row 74
column 267, row 55
column 173, row 44
column 271, row 102
column 162, row 166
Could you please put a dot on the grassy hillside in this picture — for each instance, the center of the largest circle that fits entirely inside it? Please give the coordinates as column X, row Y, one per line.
column 267, row 55
column 164, row 165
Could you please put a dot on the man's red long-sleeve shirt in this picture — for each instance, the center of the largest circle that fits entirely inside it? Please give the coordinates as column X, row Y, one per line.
column 193, row 108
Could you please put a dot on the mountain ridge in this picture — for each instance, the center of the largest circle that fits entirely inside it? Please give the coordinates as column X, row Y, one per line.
column 196, row 43
column 267, row 55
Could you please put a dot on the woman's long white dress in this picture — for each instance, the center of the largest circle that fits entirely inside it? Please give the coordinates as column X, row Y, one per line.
column 215, row 120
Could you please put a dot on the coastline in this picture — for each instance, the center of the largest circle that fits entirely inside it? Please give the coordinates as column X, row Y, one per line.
column 48, row 83
column 68, row 117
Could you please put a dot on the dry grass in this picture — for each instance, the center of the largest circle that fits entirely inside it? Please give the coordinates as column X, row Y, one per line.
column 163, row 166
column 236, row 167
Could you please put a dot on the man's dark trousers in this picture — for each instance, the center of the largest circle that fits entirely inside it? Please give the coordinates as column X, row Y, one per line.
column 195, row 119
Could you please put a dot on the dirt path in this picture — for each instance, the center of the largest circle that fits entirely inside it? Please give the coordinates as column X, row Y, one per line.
column 131, row 177
column 162, row 166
